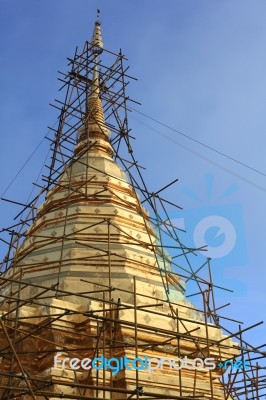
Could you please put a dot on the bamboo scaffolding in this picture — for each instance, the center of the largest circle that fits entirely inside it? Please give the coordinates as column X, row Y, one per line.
column 106, row 318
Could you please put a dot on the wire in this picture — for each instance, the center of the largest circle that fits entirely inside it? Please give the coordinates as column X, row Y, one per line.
column 23, row 166
column 38, row 177
column 199, row 142
column 27, row 160
column 201, row 156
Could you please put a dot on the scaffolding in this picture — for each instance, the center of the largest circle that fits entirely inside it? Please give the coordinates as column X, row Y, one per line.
column 41, row 319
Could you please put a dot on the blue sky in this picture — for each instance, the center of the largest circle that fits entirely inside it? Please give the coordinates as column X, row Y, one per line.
column 201, row 69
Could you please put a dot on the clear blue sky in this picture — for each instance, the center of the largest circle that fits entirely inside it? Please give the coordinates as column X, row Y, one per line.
column 201, row 66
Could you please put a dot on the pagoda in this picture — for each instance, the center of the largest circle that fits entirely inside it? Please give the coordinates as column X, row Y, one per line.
column 89, row 277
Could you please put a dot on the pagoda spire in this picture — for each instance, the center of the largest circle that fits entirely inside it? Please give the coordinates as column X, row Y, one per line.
column 94, row 130
column 97, row 34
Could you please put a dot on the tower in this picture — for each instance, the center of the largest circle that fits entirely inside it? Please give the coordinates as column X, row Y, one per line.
column 89, row 277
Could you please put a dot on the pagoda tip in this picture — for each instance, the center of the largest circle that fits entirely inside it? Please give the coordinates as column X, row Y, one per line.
column 98, row 16
column 97, row 41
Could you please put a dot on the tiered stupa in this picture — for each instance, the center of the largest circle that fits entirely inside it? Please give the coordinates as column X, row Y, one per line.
column 89, row 282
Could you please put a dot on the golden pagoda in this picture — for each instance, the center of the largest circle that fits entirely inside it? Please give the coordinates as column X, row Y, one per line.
column 89, row 278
